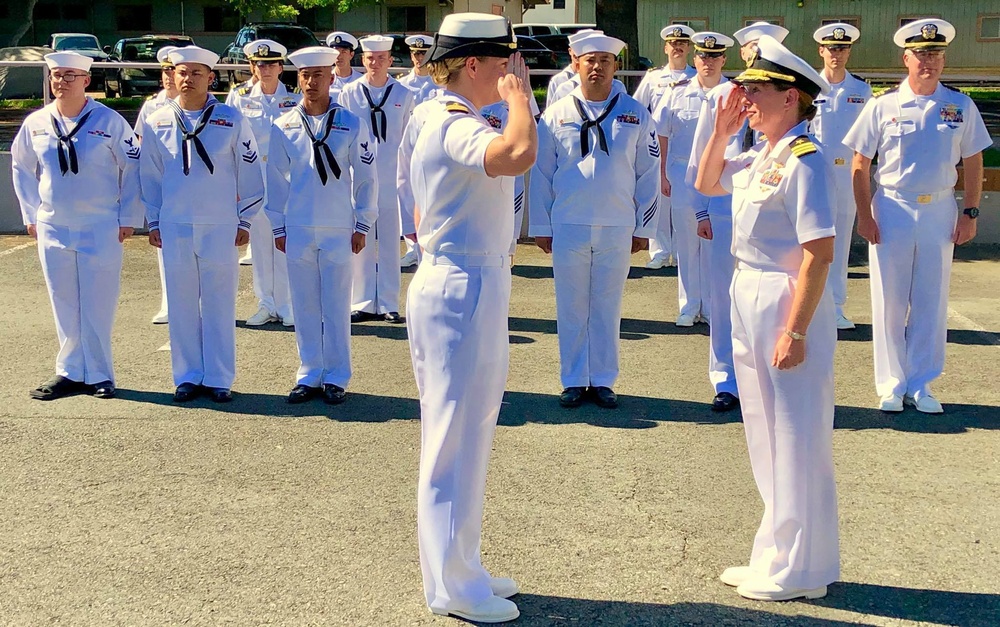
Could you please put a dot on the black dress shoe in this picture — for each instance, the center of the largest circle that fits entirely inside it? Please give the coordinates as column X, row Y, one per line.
column 58, row 387
column 362, row 316
column 724, row 401
column 333, row 394
column 393, row 317
column 220, row 395
column 301, row 394
column 186, row 392
column 104, row 389
column 605, row 397
column 572, row 397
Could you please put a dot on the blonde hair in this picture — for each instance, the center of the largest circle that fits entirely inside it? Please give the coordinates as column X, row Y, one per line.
column 445, row 71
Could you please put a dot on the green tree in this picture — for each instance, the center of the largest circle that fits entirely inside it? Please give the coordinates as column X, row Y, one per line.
column 283, row 10
column 620, row 18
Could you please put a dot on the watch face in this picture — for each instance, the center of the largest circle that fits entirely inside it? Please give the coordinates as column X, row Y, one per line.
column 972, row 212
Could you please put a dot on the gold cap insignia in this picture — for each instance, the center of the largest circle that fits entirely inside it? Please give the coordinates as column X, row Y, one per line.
column 263, row 50
column 839, row 34
column 929, row 31
column 709, row 42
column 678, row 32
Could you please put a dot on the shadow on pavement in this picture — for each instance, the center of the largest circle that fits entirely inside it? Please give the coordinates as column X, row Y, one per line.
column 942, row 607
column 964, row 337
column 958, row 418
column 631, row 329
column 551, row 610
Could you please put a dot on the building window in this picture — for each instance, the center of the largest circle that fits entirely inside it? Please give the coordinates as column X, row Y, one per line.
column 906, row 19
column 221, row 20
column 698, row 24
column 778, row 21
column 133, row 17
column 853, row 21
column 558, row 4
column 989, row 28
column 405, row 19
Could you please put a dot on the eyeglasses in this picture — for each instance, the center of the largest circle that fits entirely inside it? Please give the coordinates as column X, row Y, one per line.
column 932, row 53
column 837, row 47
column 66, row 78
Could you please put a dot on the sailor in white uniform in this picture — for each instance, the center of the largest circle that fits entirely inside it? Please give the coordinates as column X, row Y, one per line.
column 553, row 91
column 260, row 105
column 322, row 155
column 784, row 335
column 201, row 184
column 707, row 219
column 835, row 114
column 564, row 88
column 76, row 177
column 462, row 175
column 404, row 188
column 652, row 87
column 593, row 196
column 919, row 130
column 344, row 72
column 154, row 102
column 384, row 106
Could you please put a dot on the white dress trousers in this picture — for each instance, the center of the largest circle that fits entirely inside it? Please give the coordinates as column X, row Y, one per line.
column 693, row 278
column 590, row 265
column 719, row 257
column 201, row 266
column 319, row 262
column 82, row 269
column 662, row 246
column 911, row 272
column 270, row 270
column 844, row 215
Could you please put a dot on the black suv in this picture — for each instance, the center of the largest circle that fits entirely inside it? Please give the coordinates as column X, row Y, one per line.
column 129, row 82
column 291, row 36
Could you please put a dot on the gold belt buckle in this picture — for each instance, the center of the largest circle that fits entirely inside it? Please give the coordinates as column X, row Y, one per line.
column 839, row 161
column 923, row 199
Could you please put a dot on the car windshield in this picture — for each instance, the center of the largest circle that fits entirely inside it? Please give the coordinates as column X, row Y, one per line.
column 78, row 42
column 291, row 38
column 529, row 43
column 146, row 49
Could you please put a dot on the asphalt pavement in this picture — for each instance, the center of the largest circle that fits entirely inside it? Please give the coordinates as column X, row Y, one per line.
column 136, row 511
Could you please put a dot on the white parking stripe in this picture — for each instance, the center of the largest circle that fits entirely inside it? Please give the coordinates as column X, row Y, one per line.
column 13, row 250
column 988, row 337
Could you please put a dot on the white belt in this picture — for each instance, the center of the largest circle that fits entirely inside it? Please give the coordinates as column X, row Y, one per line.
column 917, row 197
column 469, row 261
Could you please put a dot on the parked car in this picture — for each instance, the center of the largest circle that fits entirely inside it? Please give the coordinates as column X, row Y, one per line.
column 558, row 44
column 85, row 44
column 531, row 30
column 569, row 29
column 291, row 36
column 537, row 57
column 126, row 82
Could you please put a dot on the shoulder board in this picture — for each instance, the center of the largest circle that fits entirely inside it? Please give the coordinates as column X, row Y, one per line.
column 802, row 146
column 152, row 97
column 951, row 88
column 243, row 91
column 680, row 83
column 654, row 69
column 297, row 90
column 888, row 91
column 456, row 107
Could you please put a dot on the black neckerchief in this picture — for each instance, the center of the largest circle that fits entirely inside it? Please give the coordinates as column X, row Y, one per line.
column 192, row 136
column 319, row 145
column 377, row 113
column 587, row 124
column 66, row 144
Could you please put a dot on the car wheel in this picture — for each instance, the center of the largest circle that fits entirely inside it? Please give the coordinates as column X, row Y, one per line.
column 108, row 92
column 124, row 90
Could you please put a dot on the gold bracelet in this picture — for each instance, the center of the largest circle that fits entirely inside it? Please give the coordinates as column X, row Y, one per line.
column 794, row 335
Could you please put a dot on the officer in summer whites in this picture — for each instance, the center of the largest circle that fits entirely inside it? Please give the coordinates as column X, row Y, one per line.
column 418, row 80
column 457, row 303
column 784, row 334
column 76, row 176
column 656, row 83
column 594, row 194
column 835, row 114
column 201, row 184
column 154, row 102
column 384, row 106
column 261, row 104
column 676, row 120
column 344, row 72
column 912, row 222
column 322, row 155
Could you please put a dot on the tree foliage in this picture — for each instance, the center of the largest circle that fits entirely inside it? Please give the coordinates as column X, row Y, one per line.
column 288, row 11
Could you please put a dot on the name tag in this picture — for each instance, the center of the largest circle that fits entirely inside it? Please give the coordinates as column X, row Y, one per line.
column 923, row 199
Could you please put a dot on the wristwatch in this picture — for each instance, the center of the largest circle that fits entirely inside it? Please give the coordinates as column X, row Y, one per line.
column 794, row 335
column 972, row 212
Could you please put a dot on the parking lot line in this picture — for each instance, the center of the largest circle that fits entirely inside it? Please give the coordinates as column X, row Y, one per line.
column 10, row 251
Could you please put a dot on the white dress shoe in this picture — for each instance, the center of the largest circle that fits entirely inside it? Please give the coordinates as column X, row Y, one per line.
column 924, row 403
column 671, row 261
column 503, row 587
column 160, row 317
column 737, row 575
column 762, row 589
column 492, row 610
column 656, row 263
column 288, row 321
column 844, row 323
column 409, row 259
column 891, row 403
column 263, row 316
column 685, row 320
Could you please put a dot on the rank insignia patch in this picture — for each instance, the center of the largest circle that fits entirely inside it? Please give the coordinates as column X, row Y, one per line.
column 132, row 152
column 249, row 156
column 367, row 157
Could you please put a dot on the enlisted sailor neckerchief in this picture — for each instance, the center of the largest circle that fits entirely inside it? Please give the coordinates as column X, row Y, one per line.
column 191, row 137
column 66, row 143
column 376, row 111
column 587, row 124
column 319, row 145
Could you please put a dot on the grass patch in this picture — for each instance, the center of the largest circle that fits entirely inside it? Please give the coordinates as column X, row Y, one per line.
column 22, row 104
column 991, row 158
column 25, row 104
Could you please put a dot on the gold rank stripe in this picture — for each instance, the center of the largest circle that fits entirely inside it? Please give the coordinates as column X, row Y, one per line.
column 802, row 147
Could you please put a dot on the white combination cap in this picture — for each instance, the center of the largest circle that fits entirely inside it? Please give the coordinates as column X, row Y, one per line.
column 839, row 34
column 709, row 41
column 757, row 30
column 419, row 42
column 73, row 60
column 927, row 33
column 676, row 32
column 193, row 54
column 264, row 50
column 314, row 56
column 473, row 35
column 597, row 42
column 774, row 63
column 376, row 43
column 340, row 39
column 163, row 54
